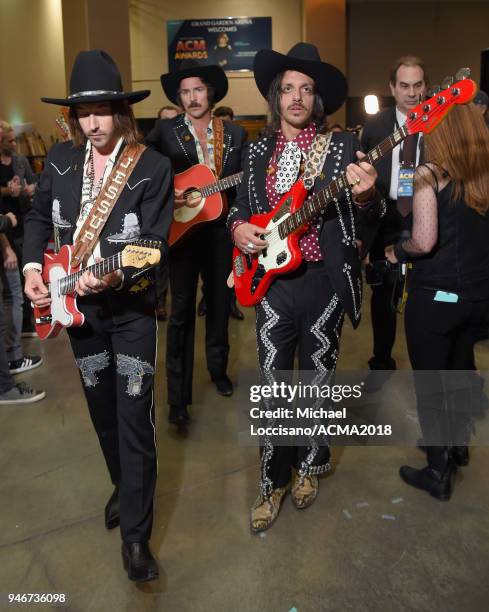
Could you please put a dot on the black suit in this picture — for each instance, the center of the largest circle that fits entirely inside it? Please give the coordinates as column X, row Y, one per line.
column 206, row 251
column 115, row 349
column 383, row 314
column 305, row 309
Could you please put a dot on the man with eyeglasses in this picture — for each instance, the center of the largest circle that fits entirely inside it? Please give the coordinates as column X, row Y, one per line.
column 191, row 138
column 303, row 311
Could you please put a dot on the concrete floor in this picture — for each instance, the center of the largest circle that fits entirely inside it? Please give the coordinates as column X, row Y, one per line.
column 430, row 556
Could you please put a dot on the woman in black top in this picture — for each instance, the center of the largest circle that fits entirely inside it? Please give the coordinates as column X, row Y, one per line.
column 448, row 290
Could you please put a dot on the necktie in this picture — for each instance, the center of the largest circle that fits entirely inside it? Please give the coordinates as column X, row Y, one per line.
column 408, row 158
column 288, row 167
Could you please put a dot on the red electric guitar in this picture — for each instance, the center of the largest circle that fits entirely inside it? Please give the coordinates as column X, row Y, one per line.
column 287, row 222
column 203, row 199
column 60, row 277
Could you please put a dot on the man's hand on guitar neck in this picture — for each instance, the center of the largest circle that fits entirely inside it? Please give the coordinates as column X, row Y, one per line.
column 35, row 289
column 247, row 238
column 88, row 283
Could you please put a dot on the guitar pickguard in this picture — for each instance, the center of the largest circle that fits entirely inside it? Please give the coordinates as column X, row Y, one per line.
column 58, row 309
column 277, row 255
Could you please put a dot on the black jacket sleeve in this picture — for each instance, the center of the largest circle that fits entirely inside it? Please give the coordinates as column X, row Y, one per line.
column 38, row 225
column 156, row 207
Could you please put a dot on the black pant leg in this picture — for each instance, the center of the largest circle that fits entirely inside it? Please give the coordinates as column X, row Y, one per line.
column 384, row 321
column 431, row 331
column 134, row 347
column 180, row 337
column 216, row 249
column 276, row 337
column 319, row 317
column 92, row 348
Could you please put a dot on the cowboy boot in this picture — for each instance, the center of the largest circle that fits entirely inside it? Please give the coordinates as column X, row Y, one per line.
column 305, row 491
column 265, row 509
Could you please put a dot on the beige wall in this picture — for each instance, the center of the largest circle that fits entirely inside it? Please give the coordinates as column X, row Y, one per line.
column 324, row 25
column 31, row 61
column 149, row 44
column 97, row 24
column 448, row 35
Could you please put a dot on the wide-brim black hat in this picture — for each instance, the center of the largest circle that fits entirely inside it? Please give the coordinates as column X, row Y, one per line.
column 96, row 78
column 303, row 57
column 214, row 75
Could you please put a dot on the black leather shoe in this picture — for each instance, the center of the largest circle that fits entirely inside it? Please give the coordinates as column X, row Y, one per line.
column 112, row 518
column 201, row 308
column 437, row 484
column 235, row 312
column 178, row 415
column 224, row 386
column 138, row 562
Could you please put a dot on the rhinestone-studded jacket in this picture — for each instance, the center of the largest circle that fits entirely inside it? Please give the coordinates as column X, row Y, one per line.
column 337, row 232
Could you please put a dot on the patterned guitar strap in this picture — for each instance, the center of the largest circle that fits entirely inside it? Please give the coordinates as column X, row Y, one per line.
column 218, row 131
column 315, row 159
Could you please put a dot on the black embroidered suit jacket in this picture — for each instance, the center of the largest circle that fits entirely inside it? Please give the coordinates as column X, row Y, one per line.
column 173, row 138
column 143, row 210
column 337, row 234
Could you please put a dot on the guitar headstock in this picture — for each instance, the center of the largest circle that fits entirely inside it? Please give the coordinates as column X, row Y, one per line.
column 428, row 114
column 62, row 123
column 137, row 256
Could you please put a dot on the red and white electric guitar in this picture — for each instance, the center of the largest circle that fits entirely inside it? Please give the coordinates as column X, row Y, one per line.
column 203, row 199
column 287, row 222
column 60, row 277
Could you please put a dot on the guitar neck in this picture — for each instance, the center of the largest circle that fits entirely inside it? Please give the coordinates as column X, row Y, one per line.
column 99, row 269
column 317, row 203
column 222, row 184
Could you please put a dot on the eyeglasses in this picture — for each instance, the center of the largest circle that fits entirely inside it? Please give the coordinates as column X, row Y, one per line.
column 305, row 90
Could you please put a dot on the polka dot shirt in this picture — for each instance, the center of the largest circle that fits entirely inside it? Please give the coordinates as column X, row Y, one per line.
column 309, row 243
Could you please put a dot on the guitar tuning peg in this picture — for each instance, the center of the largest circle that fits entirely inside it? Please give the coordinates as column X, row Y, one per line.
column 447, row 82
column 463, row 73
column 433, row 90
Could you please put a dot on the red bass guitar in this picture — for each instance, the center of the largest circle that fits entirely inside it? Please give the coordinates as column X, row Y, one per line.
column 60, row 278
column 203, row 199
column 287, row 222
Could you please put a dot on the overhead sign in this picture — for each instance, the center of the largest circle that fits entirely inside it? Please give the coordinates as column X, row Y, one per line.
column 230, row 42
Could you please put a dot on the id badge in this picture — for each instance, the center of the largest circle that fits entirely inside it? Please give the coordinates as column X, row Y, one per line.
column 405, row 185
column 446, row 296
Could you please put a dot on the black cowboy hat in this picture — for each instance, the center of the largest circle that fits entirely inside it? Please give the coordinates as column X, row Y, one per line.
column 303, row 57
column 96, row 78
column 214, row 75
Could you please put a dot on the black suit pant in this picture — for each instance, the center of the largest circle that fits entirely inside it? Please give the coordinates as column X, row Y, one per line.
column 302, row 313
column 117, row 363
column 207, row 251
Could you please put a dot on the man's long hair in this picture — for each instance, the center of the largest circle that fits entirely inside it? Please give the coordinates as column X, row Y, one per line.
column 124, row 123
column 274, row 93
column 460, row 145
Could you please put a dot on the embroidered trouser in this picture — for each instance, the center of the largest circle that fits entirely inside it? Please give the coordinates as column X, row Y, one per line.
column 300, row 313
column 117, row 363
column 207, row 251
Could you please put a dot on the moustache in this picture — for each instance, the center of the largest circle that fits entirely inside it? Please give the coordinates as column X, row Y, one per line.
column 296, row 105
column 194, row 105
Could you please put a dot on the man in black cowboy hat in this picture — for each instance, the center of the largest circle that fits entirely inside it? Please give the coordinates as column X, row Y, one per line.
column 115, row 349
column 189, row 139
column 305, row 310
